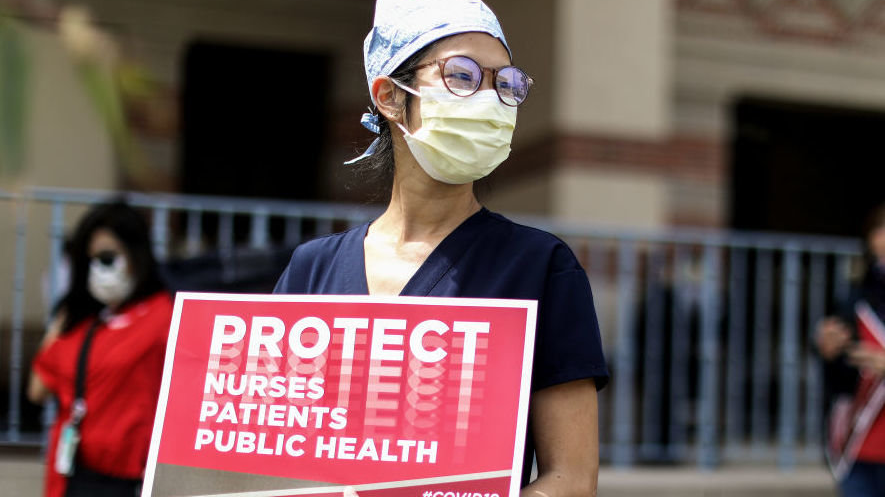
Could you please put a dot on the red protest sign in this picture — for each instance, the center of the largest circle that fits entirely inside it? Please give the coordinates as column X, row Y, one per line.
column 279, row 395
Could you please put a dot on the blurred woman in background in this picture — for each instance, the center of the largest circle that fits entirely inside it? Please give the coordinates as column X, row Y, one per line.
column 853, row 349
column 102, row 358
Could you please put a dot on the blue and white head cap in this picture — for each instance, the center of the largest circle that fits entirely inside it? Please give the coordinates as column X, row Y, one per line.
column 403, row 27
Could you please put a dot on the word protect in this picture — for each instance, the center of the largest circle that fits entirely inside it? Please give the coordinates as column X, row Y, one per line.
column 386, row 344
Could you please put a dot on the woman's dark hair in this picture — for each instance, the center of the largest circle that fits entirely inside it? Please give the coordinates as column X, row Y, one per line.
column 128, row 226
column 874, row 221
column 873, row 283
column 379, row 167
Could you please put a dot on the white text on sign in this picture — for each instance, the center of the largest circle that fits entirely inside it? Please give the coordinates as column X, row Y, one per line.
column 386, row 343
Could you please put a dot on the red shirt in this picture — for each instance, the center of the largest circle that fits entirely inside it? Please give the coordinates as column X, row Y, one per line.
column 871, row 332
column 873, row 448
column 123, row 376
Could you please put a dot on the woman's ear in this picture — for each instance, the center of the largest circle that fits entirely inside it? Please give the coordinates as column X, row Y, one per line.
column 388, row 100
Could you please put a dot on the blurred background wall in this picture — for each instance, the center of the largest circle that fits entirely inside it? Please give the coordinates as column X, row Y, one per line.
column 642, row 115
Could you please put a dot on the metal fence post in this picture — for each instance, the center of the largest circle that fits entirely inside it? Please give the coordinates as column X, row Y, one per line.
column 226, row 233
column 817, row 302
column 624, row 367
column 194, row 232
column 842, row 280
column 226, row 244
column 259, row 231
column 680, row 414
column 293, row 231
column 56, row 243
column 599, row 279
column 160, row 231
column 708, row 407
column 652, row 381
column 18, row 321
column 762, row 347
column 789, row 381
column 737, row 349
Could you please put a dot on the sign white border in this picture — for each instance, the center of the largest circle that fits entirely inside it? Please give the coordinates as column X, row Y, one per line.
column 531, row 307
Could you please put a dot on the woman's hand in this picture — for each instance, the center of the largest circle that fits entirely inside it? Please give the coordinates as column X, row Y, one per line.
column 868, row 359
column 832, row 338
column 37, row 391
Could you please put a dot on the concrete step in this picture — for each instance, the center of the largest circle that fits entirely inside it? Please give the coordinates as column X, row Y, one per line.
column 810, row 481
column 21, row 474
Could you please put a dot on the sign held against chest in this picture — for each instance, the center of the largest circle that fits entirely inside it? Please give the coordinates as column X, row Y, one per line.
column 407, row 393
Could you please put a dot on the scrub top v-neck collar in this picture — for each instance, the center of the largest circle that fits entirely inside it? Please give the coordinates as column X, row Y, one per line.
column 437, row 264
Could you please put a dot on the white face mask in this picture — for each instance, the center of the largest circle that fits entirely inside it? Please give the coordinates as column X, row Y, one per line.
column 461, row 139
column 109, row 280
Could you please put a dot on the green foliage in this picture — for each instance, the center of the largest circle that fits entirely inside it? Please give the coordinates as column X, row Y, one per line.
column 14, row 97
column 101, row 88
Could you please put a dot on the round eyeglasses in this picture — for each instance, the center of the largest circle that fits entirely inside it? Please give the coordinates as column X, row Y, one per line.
column 463, row 77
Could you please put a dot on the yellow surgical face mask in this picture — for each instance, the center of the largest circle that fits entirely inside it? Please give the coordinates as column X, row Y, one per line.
column 461, row 139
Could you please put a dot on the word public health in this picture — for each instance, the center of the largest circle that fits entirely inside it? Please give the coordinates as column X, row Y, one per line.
column 245, row 424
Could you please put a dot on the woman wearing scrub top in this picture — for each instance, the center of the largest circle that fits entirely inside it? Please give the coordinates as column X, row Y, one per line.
column 445, row 100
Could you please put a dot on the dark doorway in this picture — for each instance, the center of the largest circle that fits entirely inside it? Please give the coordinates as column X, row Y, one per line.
column 805, row 168
column 253, row 121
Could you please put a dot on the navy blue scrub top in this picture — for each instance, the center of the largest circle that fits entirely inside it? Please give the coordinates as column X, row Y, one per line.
column 487, row 256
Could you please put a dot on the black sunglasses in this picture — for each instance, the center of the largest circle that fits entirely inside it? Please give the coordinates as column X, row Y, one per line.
column 105, row 257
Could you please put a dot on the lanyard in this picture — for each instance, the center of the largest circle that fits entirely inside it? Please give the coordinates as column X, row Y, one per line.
column 78, row 408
